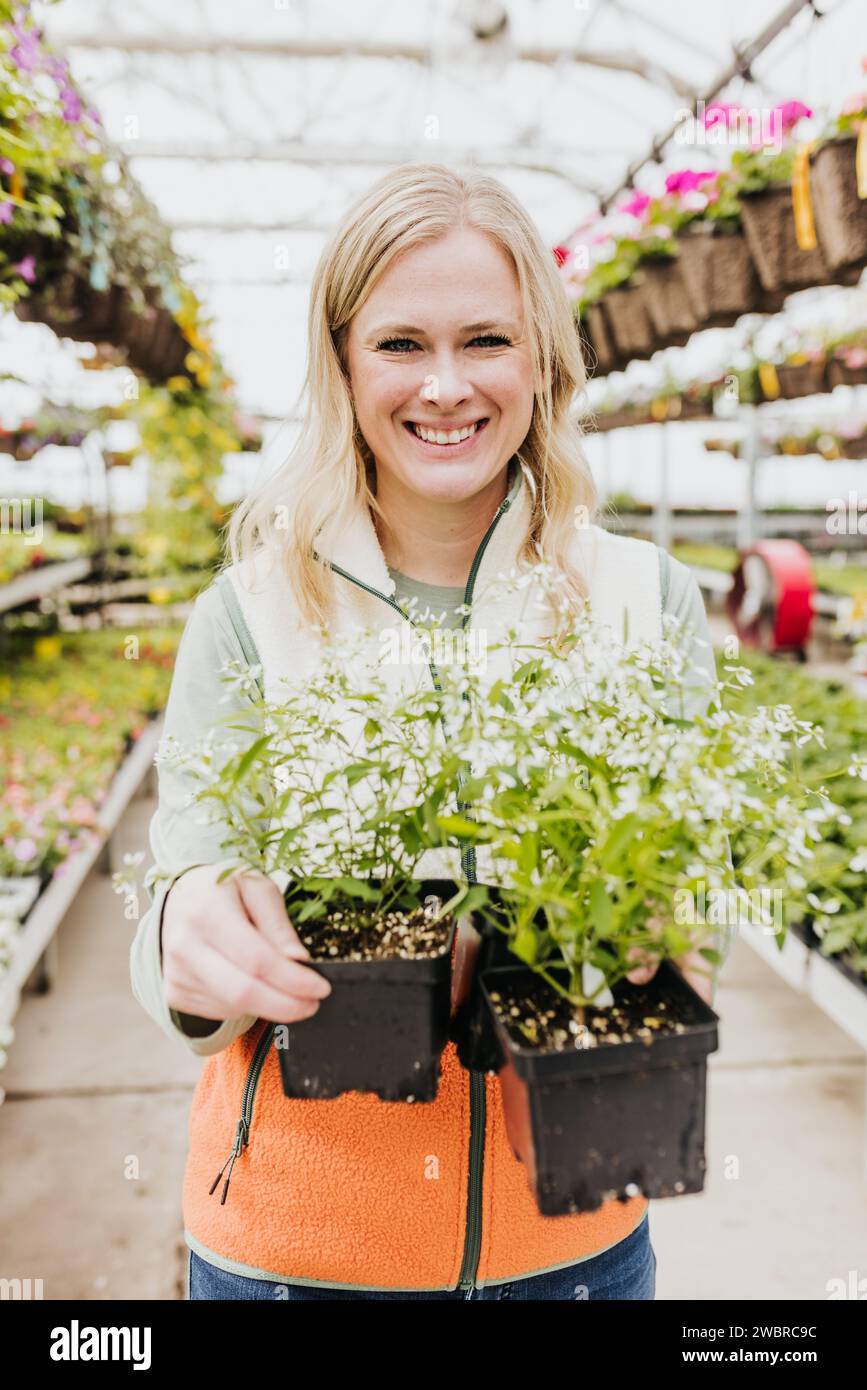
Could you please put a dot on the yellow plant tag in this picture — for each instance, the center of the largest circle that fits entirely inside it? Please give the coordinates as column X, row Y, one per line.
column 659, row 408
column 769, row 381
column 805, row 229
column 861, row 160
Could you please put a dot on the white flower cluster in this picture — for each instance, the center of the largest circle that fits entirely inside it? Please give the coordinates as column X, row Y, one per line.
column 577, row 765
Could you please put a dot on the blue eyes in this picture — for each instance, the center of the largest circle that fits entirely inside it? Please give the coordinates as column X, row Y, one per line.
column 490, row 339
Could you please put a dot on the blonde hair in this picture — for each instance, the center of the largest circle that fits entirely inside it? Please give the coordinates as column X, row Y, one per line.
column 329, row 470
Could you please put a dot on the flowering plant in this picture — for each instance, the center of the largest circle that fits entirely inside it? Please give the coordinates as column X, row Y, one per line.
column 331, row 785
column 62, row 736
column 609, row 797
column 594, row 779
column 772, row 158
column 45, row 132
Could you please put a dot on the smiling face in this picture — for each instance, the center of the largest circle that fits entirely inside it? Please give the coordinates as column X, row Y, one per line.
column 441, row 371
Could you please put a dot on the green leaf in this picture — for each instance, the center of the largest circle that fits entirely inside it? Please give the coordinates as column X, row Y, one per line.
column 617, row 841
column 524, row 945
column 600, row 907
column 249, row 758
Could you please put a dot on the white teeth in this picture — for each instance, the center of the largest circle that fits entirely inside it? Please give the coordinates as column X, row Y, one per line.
column 444, row 436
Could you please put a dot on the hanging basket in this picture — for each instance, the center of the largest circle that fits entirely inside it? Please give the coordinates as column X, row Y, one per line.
column 854, row 448
column 617, row 419
column 56, row 306
column 627, row 316
column 769, row 301
column 803, row 379
column 168, row 345
column 98, row 311
column 839, row 374
column 602, row 339
column 719, row 274
column 669, row 305
column 769, row 226
column 689, row 409
column 839, row 214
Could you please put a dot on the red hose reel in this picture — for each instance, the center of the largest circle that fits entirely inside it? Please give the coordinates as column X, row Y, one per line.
column 770, row 603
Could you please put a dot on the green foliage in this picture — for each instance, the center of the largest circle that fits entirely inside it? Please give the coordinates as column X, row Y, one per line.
column 837, row 878
column 595, row 788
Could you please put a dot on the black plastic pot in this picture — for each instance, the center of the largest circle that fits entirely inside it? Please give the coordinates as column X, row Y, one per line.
column 615, row 1120
column 472, row 1027
column 381, row 1029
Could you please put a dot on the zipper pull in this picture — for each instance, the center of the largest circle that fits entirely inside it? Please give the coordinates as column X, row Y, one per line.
column 242, row 1134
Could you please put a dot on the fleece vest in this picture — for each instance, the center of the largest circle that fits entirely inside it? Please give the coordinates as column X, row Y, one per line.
column 357, row 1192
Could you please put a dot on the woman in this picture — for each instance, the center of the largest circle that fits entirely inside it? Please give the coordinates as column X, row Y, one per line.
column 438, row 451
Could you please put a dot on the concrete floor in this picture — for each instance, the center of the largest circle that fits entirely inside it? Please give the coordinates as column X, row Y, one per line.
column 93, row 1135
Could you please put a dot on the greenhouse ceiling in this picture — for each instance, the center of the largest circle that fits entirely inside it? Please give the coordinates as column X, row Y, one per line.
column 252, row 127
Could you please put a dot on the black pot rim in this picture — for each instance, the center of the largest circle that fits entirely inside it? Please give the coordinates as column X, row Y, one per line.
column 697, row 1039
column 396, row 970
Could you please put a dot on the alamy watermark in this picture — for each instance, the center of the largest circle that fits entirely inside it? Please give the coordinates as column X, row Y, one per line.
column 22, row 516
column 847, row 516
column 730, row 907
column 442, row 646
column 718, row 123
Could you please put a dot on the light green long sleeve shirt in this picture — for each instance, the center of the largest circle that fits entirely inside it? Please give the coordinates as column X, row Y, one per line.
column 215, row 634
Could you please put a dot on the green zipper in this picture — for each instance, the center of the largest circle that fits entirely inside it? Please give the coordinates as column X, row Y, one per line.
column 242, row 1132
column 478, row 1098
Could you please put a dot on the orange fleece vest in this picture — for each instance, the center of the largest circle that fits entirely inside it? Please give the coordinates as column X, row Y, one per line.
column 359, row 1192
column 363, row 1192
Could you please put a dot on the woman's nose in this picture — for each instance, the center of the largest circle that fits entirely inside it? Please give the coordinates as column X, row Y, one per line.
column 447, row 383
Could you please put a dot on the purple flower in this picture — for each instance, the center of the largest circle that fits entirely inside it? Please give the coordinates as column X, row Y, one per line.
column 70, row 104
column 6, row 210
column 6, row 165
column 24, row 850
column 25, row 53
column 27, row 269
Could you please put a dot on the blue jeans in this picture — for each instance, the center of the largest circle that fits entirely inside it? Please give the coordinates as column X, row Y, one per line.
column 626, row 1271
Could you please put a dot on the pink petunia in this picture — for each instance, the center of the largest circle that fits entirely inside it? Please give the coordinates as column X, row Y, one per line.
column 6, row 211
column 855, row 357
column 790, row 112
column 687, row 180
column 24, row 850
column 561, row 254
column 6, row 165
column 636, row 206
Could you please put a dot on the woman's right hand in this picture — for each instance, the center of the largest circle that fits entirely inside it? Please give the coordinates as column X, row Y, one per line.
column 229, row 950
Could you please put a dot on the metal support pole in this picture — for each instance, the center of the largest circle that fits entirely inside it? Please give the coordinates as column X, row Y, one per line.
column 662, row 516
column 747, row 531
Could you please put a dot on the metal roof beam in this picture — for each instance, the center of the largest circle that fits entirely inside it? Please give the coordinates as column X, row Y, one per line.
column 182, row 45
